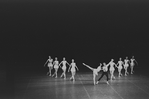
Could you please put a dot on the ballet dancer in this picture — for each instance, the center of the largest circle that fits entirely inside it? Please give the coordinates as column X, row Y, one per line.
column 120, row 66
column 73, row 68
column 95, row 71
column 132, row 64
column 56, row 66
column 64, row 62
column 112, row 68
column 126, row 65
column 50, row 65
column 105, row 72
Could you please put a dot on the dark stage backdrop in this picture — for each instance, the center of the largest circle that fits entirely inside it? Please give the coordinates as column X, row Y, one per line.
column 87, row 31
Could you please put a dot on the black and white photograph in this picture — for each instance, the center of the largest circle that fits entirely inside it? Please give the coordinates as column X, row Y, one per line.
column 74, row 49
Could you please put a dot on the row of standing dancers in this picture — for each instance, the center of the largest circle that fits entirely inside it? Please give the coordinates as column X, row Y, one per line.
column 103, row 67
column 56, row 65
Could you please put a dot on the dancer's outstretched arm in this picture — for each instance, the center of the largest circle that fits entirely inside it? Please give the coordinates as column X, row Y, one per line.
column 60, row 64
column 136, row 61
column 77, row 68
column 67, row 63
column 45, row 62
column 53, row 63
column 69, row 67
column 116, row 65
column 88, row 66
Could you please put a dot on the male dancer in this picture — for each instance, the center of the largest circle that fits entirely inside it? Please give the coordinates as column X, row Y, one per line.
column 105, row 72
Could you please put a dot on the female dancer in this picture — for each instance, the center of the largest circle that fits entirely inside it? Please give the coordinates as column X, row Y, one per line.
column 64, row 62
column 95, row 71
column 119, row 66
column 56, row 66
column 105, row 72
column 73, row 69
column 112, row 68
column 126, row 65
column 50, row 65
column 132, row 60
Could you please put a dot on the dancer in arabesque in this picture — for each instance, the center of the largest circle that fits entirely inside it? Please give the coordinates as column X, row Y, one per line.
column 95, row 71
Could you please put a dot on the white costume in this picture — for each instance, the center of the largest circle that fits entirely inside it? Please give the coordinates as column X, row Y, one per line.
column 64, row 62
column 56, row 66
column 126, row 66
column 73, row 70
column 64, row 65
column 132, row 64
column 120, row 63
column 50, row 63
column 112, row 69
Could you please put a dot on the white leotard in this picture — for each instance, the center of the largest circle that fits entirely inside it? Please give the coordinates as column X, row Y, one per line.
column 56, row 64
column 73, row 67
column 50, row 63
column 112, row 66
column 64, row 65
column 120, row 64
column 132, row 62
column 126, row 63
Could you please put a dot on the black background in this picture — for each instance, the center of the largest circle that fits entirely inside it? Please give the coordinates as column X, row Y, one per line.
column 90, row 31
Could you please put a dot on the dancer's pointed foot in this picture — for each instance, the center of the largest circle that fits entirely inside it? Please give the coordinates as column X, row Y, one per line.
column 107, row 83
column 97, row 82
column 52, row 75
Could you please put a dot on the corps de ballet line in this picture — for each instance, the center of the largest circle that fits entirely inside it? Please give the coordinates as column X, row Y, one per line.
column 102, row 67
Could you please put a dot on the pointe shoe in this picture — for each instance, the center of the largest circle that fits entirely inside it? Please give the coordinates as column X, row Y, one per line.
column 52, row 75
column 107, row 83
column 97, row 82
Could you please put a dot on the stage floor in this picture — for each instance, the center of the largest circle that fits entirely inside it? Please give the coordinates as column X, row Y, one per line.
column 41, row 86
